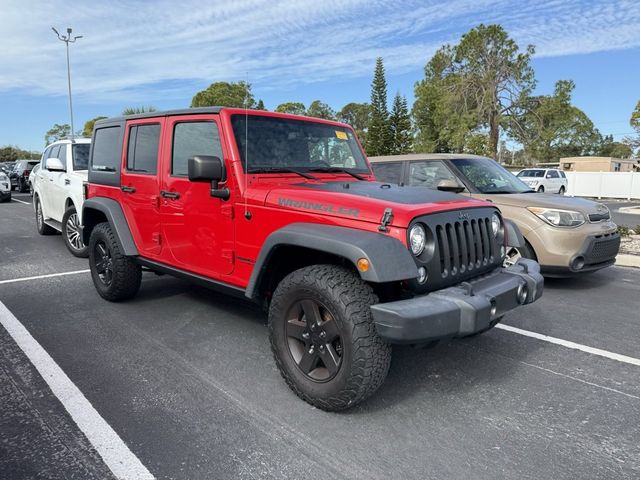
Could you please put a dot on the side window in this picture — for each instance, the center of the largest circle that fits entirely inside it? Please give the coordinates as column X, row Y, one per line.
column 106, row 149
column 562, row 174
column 193, row 138
column 62, row 155
column 388, row 172
column 46, row 155
column 553, row 174
column 428, row 173
column 142, row 153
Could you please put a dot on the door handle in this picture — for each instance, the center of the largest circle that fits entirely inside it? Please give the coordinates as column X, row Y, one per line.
column 67, row 181
column 126, row 189
column 172, row 195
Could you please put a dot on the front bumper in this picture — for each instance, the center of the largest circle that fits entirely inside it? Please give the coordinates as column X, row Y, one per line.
column 461, row 310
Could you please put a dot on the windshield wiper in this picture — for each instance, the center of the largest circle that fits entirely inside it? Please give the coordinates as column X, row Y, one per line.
column 338, row 170
column 281, row 170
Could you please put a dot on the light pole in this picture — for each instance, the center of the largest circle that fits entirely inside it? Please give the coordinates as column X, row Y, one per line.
column 67, row 39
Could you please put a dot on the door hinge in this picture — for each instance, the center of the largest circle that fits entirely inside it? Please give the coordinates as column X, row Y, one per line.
column 227, row 254
column 227, row 211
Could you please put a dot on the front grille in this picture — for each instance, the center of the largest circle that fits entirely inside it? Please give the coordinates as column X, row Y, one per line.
column 603, row 248
column 464, row 246
column 460, row 246
column 598, row 217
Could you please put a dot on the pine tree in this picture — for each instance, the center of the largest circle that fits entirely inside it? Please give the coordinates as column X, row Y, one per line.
column 260, row 105
column 379, row 134
column 400, row 124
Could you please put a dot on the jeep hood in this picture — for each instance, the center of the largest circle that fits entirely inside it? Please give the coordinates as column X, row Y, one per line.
column 543, row 200
column 365, row 201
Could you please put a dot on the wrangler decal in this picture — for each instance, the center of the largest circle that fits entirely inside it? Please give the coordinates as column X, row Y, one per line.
column 321, row 207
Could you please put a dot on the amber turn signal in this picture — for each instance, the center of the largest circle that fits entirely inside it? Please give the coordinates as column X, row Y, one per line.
column 363, row 264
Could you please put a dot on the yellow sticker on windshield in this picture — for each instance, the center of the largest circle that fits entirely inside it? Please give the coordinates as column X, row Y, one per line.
column 341, row 135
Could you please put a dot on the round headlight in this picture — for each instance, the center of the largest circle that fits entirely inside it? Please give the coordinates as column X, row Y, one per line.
column 496, row 223
column 417, row 239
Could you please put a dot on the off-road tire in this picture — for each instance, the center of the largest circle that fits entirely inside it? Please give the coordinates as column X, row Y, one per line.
column 43, row 228
column 126, row 274
column 365, row 356
column 541, row 189
column 77, row 252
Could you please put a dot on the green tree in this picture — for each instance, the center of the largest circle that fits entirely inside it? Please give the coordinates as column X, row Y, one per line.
column 87, row 131
column 550, row 127
column 260, row 105
column 358, row 115
column 56, row 132
column 634, row 121
column 319, row 109
column 225, row 94
column 10, row 153
column 400, row 124
column 610, row 148
column 484, row 78
column 379, row 135
column 137, row 110
column 294, row 108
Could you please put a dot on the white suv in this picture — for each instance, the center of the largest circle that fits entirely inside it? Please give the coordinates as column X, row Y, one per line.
column 550, row 180
column 59, row 191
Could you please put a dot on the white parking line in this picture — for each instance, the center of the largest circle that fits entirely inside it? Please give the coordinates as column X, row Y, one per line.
column 37, row 277
column 20, row 201
column 568, row 344
column 114, row 452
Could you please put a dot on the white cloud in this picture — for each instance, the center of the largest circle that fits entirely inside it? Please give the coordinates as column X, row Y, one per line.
column 166, row 48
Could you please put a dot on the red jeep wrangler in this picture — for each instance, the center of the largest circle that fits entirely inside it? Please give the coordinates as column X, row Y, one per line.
column 285, row 210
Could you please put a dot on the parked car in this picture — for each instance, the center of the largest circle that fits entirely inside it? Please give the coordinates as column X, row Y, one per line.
column 283, row 210
column 58, row 191
column 550, row 180
column 20, row 174
column 5, row 187
column 7, row 167
column 566, row 235
column 33, row 177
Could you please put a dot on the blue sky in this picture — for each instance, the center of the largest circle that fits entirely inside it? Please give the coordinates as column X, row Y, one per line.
column 162, row 52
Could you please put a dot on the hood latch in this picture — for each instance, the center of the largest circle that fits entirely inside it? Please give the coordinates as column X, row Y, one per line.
column 387, row 218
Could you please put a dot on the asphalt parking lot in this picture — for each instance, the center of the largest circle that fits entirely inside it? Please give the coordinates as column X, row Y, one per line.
column 185, row 379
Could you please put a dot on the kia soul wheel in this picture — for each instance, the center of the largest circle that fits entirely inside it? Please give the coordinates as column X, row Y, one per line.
column 71, row 233
column 115, row 276
column 323, row 338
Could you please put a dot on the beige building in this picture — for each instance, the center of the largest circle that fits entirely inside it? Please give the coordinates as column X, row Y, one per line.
column 599, row 164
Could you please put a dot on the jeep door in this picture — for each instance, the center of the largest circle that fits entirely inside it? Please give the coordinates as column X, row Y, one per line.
column 197, row 227
column 140, row 184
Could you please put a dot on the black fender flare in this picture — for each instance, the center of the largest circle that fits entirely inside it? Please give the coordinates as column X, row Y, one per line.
column 116, row 218
column 389, row 259
column 513, row 234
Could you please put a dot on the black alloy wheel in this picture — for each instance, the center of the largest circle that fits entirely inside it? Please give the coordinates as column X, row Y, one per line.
column 313, row 338
column 104, row 263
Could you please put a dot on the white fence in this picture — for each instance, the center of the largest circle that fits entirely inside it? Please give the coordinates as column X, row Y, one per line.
column 604, row 184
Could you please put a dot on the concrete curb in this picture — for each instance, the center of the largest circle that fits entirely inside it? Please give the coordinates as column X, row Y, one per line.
column 626, row 260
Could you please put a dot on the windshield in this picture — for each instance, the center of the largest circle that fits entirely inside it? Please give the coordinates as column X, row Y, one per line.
column 531, row 173
column 80, row 156
column 489, row 177
column 276, row 144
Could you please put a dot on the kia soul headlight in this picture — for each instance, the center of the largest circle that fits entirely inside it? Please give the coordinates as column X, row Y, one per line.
column 417, row 239
column 558, row 218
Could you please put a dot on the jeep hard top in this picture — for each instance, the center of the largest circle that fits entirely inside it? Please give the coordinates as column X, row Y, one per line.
column 285, row 210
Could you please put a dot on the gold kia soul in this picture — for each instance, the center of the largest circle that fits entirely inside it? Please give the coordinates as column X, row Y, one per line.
column 566, row 235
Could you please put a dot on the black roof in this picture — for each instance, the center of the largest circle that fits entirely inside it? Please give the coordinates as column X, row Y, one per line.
column 166, row 113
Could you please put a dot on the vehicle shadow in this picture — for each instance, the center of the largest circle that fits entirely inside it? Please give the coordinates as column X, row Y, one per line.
column 582, row 282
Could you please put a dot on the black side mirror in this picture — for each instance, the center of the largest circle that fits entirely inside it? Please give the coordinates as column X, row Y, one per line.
column 448, row 185
column 205, row 167
column 208, row 168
